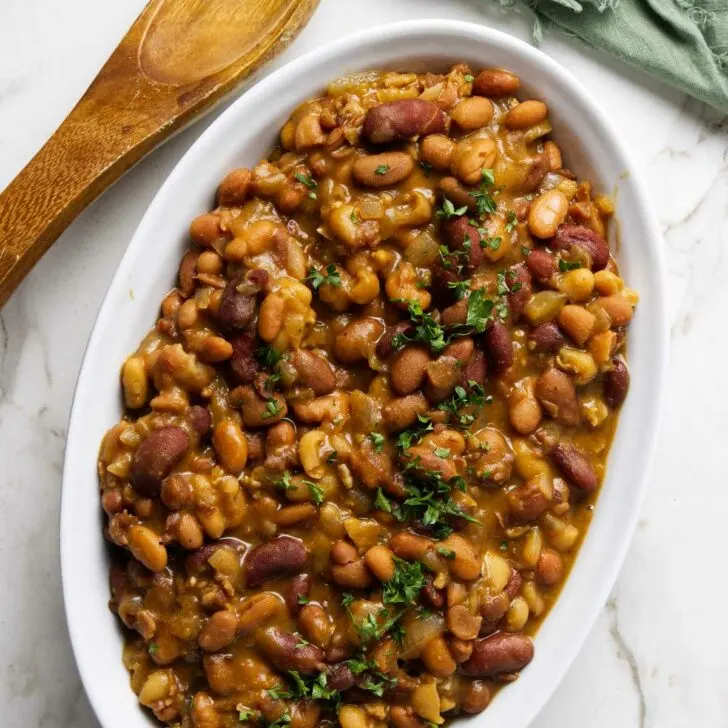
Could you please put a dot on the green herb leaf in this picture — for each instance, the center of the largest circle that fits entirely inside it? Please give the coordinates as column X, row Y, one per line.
column 469, row 78
column 306, row 180
column 303, row 600
column 318, row 279
column 442, row 452
column 317, row 492
column 449, row 210
column 272, row 408
column 382, row 169
column 566, row 265
column 269, row 357
column 377, row 440
column 511, row 221
column 152, row 648
column 446, row 553
column 284, row 483
column 406, row 584
column 331, row 457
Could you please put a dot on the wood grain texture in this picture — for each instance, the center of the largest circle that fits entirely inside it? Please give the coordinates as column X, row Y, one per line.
column 178, row 59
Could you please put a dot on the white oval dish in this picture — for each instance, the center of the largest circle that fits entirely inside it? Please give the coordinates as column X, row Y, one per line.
column 241, row 136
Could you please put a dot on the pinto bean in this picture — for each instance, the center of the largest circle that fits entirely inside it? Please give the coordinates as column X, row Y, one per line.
column 514, row 584
column 314, row 372
column 546, row 338
column 575, row 466
column 616, row 383
column 425, row 461
column 385, row 344
column 498, row 345
column 200, row 419
column 462, row 623
column 243, row 364
column 382, row 170
column 475, row 697
column 519, row 281
column 402, row 120
column 472, row 113
column 154, row 459
column 357, row 340
column 495, row 83
column 401, row 412
column 443, row 375
column 568, row 237
column 437, row 658
column 315, row 625
column 436, row 150
column 557, row 395
column 499, row 653
column 299, row 587
column 218, row 631
column 282, row 555
column 354, row 575
column 542, row 265
column 550, row 567
column 529, row 501
column 236, row 310
column 526, row 114
column 408, row 369
column 286, row 652
column 547, row 212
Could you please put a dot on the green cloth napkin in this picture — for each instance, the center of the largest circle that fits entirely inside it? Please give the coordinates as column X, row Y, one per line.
column 681, row 42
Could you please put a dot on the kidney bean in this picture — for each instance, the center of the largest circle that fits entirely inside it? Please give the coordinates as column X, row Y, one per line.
column 475, row 369
column 514, row 584
column 616, row 383
column 340, row 677
column 495, row 83
column 499, row 653
column 382, row 170
column 550, row 568
column 403, row 119
column 385, row 344
column 475, row 697
column 542, row 265
column 286, row 652
column 299, row 587
column 200, row 419
column 283, row 555
column 431, row 596
column 243, row 364
column 236, row 310
column 462, row 236
column 584, row 239
column 154, row 459
column 546, row 338
column 538, row 166
column 498, row 345
column 518, row 278
column 408, row 369
column 557, row 395
column 314, row 372
column 575, row 466
column 455, row 314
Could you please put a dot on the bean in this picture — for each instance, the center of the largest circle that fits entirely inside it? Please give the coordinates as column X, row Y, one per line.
column 409, row 546
column 156, row 687
column 542, row 265
column 298, row 589
column 546, row 338
column 499, row 653
column 496, row 83
column 357, row 340
column 381, row 562
column 236, row 310
column 616, row 383
column 425, row 461
column 529, row 501
column 314, row 372
column 578, row 284
column 233, row 190
column 385, row 344
column 460, row 649
column 475, row 697
column 145, row 546
column 457, row 194
column 402, row 120
column 462, row 623
column 472, row 113
column 382, row 170
column 437, row 150
column 155, row 458
column 200, row 419
column 575, row 466
column 186, row 530
column 408, row 369
column 187, row 273
column 354, row 575
column 557, row 395
column 342, row 552
column 499, row 347
column 471, row 157
column 514, row 584
column 462, row 236
column 340, row 677
column 579, row 237
column 518, row 278
column 401, row 412
column 455, row 314
column 286, row 652
column 617, row 308
column 466, row 565
column 243, row 363
column 577, row 322
column 218, row 631
column 315, row 625
column 230, row 445
column 429, row 595
column 270, row 317
column 524, row 411
column 255, row 611
column 282, row 555
column 352, row 717
column 205, row 229
column 256, row 411
column 135, row 382
column 526, row 114
column 443, row 375
column 437, row 658
column 475, row 369
column 550, row 568
column 548, row 211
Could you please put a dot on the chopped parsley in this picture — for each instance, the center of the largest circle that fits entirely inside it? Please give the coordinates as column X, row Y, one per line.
column 442, row 452
column 566, row 265
column 152, row 649
column 245, row 715
column 484, row 203
column 492, row 243
column 525, row 251
column 331, row 457
column 303, row 687
column 317, row 492
column 410, row 437
column 503, row 545
column 406, row 584
column 269, row 357
column 461, row 288
column 469, row 78
column 272, row 408
column 427, row 167
column 303, row 600
column 377, row 440
column 427, row 330
column 308, row 182
column 318, row 279
column 285, row 483
column 511, row 221
column 449, row 210
column 474, row 396
column 448, row 554
column 382, row 169
column 369, row 629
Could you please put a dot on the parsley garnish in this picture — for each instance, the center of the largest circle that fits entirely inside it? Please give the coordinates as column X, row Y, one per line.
column 285, row 482
column 460, row 287
column 152, row 648
column 448, row 210
column 272, row 408
column 303, row 600
column 503, row 545
column 377, row 440
column 317, row 492
column 449, row 554
column 469, row 78
column 484, row 203
column 442, row 452
column 410, row 437
column 492, row 243
column 382, row 169
column 427, row 330
column 473, row 397
column 525, row 251
column 268, row 356
column 511, row 221
column 406, row 584
column 331, row 457
column 427, row 167
column 245, row 715
column 307, row 688
column 318, row 279
column 307, row 181
column 566, row 265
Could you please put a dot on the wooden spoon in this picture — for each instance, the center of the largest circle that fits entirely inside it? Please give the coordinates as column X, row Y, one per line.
column 178, row 59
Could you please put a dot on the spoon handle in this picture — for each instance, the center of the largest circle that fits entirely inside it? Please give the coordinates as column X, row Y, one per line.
column 124, row 114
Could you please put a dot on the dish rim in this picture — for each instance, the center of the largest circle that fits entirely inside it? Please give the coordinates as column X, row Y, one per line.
column 545, row 674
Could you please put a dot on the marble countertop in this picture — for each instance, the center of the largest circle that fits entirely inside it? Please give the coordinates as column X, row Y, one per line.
column 658, row 655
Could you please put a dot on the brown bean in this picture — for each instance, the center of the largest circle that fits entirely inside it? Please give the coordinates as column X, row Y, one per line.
column 550, row 568
column 340, row 677
column 236, row 310
column 256, row 411
column 233, row 190
column 402, row 120
column 187, row 273
column 243, row 364
column 499, row 347
column 218, row 631
column 462, row 236
column 205, row 229
column 314, row 372
column 472, row 112
column 616, row 383
column 357, row 340
column 457, row 194
column 546, row 338
column 495, row 83
column 382, row 170
column 408, row 369
column 286, row 652
column 465, row 566
column 528, row 501
column 443, row 375
column 462, row 623
column 437, row 658
column 315, row 625
column 568, row 237
column 381, row 562
column 436, row 150
column 575, row 466
column 514, row 584
column 557, row 395
column 200, row 419
column 475, row 697
column 409, row 546
column 342, row 552
column 434, row 597
column 401, row 412
column 146, row 548
column 518, row 278
column 425, row 461
column 499, row 653
column 258, row 609
column 526, row 114
column 547, row 212
column 385, row 344
column 283, row 555
column 155, row 458
column 354, row 575
column 297, row 591
column 475, row 369
column 230, row 445
column 577, row 322
column 618, row 309
column 542, row 265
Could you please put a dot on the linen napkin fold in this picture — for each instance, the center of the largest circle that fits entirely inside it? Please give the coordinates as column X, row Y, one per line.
column 681, row 42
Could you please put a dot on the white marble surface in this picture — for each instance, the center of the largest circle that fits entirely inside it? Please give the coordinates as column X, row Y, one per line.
column 658, row 656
